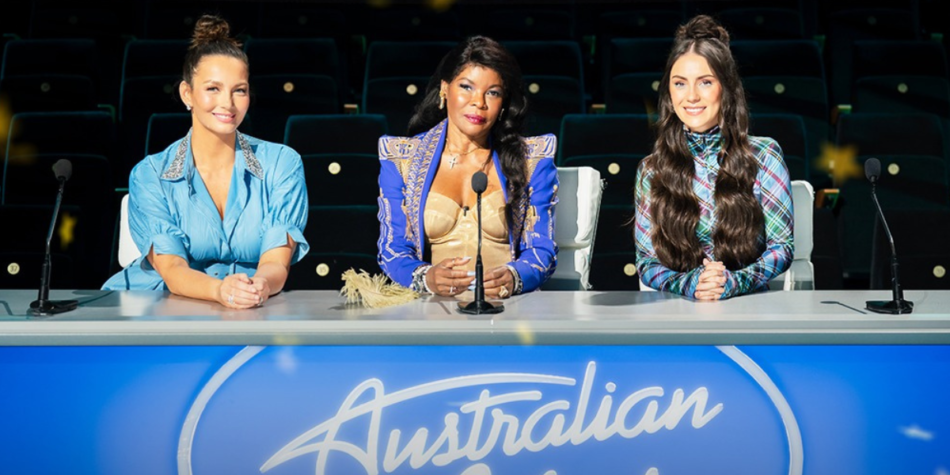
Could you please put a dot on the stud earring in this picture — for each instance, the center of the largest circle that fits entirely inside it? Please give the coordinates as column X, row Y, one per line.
column 188, row 107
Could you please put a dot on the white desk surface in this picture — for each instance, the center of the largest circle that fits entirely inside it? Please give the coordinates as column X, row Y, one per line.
column 539, row 318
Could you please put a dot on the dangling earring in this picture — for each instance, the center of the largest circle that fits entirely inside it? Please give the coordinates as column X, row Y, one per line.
column 441, row 101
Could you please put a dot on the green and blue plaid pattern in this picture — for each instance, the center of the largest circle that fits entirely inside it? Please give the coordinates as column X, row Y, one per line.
column 773, row 190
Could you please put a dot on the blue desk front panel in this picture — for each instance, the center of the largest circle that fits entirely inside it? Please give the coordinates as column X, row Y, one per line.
column 475, row 410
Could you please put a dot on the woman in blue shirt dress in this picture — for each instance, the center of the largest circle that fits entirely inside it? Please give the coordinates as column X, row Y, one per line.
column 218, row 215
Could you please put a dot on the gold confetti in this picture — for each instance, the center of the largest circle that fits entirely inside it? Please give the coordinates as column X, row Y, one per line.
column 841, row 163
column 67, row 226
column 525, row 335
column 440, row 5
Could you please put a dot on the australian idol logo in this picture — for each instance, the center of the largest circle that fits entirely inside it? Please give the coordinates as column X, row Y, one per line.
column 492, row 424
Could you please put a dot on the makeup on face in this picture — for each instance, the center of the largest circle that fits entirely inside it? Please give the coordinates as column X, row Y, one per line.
column 695, row 92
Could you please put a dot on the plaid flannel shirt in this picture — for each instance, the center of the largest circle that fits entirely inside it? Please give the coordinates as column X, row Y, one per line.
column 773, row 191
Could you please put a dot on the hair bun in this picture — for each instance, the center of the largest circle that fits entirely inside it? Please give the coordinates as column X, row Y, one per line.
column 209, row 29
column 703, row 27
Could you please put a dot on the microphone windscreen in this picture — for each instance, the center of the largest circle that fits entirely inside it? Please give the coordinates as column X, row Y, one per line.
column 63, row 169
column 872, row 169
column 479, row 182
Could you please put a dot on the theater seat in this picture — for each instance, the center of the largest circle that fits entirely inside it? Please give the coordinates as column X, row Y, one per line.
column 920, row 238
column 322, row 270
column 338, row 172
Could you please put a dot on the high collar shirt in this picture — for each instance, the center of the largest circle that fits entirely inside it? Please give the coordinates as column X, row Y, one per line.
column 772, row 189
column 172, row 213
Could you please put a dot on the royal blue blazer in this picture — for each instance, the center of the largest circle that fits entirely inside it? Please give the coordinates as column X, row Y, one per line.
column 407, row 167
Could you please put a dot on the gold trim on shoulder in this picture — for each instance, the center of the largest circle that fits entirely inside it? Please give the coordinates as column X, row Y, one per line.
column 540, row 146
column 398, row 150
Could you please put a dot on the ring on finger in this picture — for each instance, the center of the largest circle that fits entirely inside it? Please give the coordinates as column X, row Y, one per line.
column 452, row 289
column 231, row 299
column 503, row 292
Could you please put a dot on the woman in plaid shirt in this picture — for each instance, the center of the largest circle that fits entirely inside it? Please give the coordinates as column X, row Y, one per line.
column 713, row 204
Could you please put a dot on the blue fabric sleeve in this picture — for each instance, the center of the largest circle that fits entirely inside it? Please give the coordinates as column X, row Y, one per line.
column 397, row 254
column 537, row 250
column 288, row 206
column 152, row 221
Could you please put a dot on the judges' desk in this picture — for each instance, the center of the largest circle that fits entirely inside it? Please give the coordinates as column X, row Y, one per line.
column 561, row 383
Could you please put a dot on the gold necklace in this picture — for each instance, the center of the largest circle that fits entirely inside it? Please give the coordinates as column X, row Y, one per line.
column 453, row 158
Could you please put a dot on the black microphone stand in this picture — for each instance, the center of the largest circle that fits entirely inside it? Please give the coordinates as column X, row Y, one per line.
column 897, row 305
column 479, row 306
column 42, row 306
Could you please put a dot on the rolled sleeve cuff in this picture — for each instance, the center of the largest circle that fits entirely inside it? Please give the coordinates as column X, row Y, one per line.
column 276, row 237
column 166, row 244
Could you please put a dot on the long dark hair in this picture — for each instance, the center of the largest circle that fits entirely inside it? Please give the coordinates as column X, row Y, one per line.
column 674, row 207
column 211, row 37
column 506, row 133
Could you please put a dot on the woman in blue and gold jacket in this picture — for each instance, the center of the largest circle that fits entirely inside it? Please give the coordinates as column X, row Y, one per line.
column 469, row 121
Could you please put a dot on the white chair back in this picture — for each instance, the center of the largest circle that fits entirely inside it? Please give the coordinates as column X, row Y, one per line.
column 127, row 250
column 579, row 195
column 801, row 275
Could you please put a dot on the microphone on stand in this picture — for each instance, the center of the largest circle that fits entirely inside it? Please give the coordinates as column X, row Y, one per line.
column 42, row 306
column 897, row 305
column 479, row 306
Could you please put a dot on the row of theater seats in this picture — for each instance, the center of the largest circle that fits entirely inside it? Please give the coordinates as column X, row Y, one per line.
column 566, row 19
column 303, row 76
column 340, row 160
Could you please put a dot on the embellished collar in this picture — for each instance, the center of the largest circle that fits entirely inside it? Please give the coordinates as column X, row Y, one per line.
column 177, row 168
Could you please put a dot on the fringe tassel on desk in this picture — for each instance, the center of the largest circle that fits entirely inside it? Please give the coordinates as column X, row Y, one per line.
column 373, row 291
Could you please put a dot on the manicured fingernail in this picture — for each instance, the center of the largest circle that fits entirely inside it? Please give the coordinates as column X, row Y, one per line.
column 471, row 273
column 471, row 287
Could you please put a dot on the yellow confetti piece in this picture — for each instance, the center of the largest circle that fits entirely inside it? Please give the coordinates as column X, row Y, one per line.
column 841, row 163
column 67, row 226
column 5, row 117
column 525, row 335
column 441, row 5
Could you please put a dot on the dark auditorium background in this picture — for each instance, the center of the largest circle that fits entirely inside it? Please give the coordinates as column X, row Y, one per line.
column 835, row 82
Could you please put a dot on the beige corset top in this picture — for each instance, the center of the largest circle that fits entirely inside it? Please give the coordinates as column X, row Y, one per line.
column 453, row 231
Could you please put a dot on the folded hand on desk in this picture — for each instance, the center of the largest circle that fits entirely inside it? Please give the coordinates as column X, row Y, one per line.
column 712, row 281
column 497, row 279
column 240, row 291
column 449, row 277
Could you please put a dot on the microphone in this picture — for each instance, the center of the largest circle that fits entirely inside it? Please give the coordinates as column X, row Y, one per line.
column 479, row 306
column 897, row 305
column 42, row 306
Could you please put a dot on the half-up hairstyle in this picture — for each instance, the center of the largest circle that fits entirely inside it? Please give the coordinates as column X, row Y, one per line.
column 211, row 37
column 674, row 207
column 506, row 132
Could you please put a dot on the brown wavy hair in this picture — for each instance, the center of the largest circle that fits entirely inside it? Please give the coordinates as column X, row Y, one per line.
column 674, row 207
